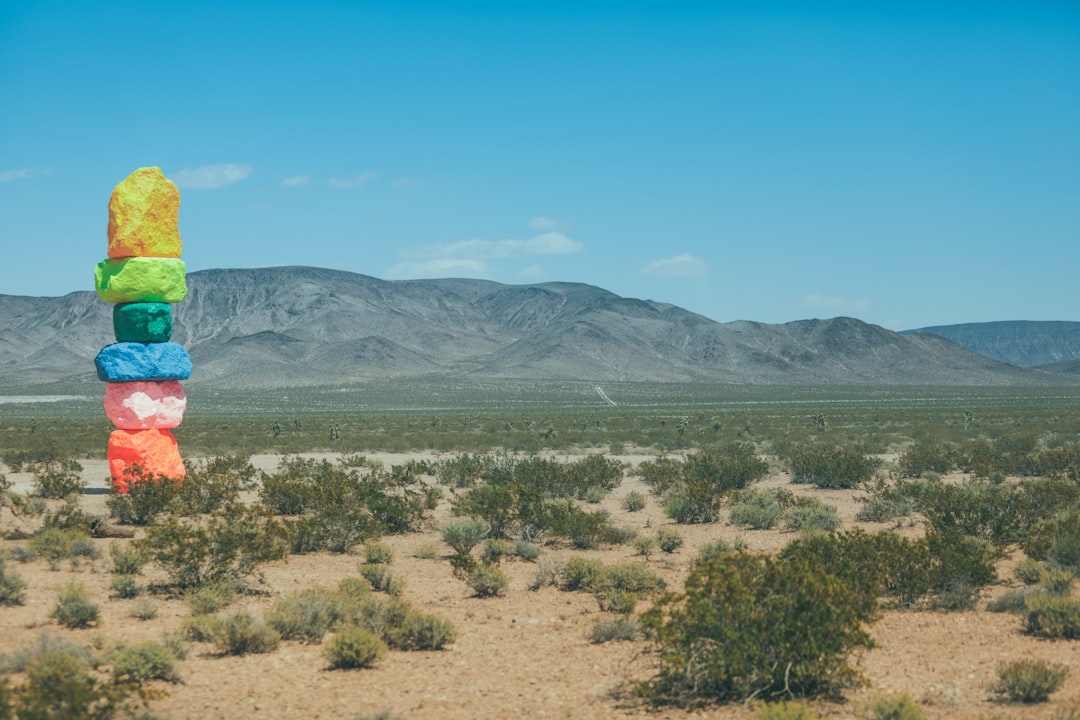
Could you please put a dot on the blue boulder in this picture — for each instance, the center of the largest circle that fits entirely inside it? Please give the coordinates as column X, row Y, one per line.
column 131, row 361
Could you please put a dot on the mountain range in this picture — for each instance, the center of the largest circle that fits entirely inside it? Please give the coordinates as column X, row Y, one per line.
column 291, row 326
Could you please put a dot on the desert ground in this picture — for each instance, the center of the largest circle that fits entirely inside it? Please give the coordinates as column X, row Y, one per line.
column 528, row 653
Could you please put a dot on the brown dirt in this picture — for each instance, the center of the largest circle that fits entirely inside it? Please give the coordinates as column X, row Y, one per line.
column 526, row 654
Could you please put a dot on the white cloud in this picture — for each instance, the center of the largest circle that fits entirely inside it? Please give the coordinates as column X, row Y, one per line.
column 543, row 222
column 836, row 302
column 533, row 272
column 353, row 182
column 10, row 175
column 210, row 177
column 682, row 265
column 296, row 181
column 552, row 243
column 438, row 267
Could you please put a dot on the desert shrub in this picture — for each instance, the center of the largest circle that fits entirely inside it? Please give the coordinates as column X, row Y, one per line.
column 594, row 495
column 17, row 661
column 1029, row 681
column 305, row 615
column 226, row 547
column 526, row 550
column 55, row 544
column 488, row 581
column 644, row 544
column 1056, row 539
column 340, row 506
column 811, row 516
column 1050, row 616
column 885, row 502
column 618, row 601
column 755, row 509
column 585, row 529
column 622, row 628
column 1057, row 581
column 215, row 483
column 11, row 585
column 925, row 456
column 378, row 553
column 75, row 607
column 878, row 564
column 829, row 466
column 549, row 572
column 495, row 549
column 668, row 540
column 424, row 632
column 148, row 497
column 59, row 685
column 893, row 707
column 127, row 560
column 633, row 501
column 144, row 610
column 1012, row 601
column 498, row 505
column 211, row 597
column 144, row 661
column 382, row 579
column 463, row 535
column 712, row 549
column 125, row 587
column 241, row 633
column 975, row 508
column 592, row 471
column 752, row 626
column 960, row 565
column 354, row 648
column 661, row 474
column 784, row 710
column 579, row 573
column 1028, row 571
column 201, row 628
column 426, row 551
column 463, row 471
column 707, row 478
column 57, row 479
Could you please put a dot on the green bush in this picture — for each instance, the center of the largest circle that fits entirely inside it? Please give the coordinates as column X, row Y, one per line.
column 811, row 516
column 707, row 478
column 668, row 540
column 644, row 544
column 305, row 615
column 59, row 685
column 424, row 632
column 378, row 553
column 618, row 629
column 143, row 610
column 784, row 710
column 585, row 529
column 55, row 544
column 1053, row 617
column 1013, row 601
column 755, row 509
column 75, row 607
column 893, row 707
column 526, row 550
column 463, row 535
column 633, row 501
column 828, row 466
column 144, row 661
column 925, row 457
column 211, row 597
column 241, row 633
column 147, row 498
column 224, row 547
column 57, row 480
column 1029, row 681
column 127, row 560
column 11, row 585
column 495, row 549
column 382, row 579
column 751, row 626
column 125, row 587
column 354, row 648
column 488, row 581
column 1029, row 571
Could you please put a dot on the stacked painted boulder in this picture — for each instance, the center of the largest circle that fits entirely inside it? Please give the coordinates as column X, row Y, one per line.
column 142, row 276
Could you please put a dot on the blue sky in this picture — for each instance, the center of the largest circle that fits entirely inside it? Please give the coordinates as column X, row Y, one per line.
column 907, row 163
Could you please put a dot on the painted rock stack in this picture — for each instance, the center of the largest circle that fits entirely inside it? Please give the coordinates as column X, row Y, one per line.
column 142, row 276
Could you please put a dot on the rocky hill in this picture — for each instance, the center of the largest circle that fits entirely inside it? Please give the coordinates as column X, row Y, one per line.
column 292, row 326
column 1024, row 343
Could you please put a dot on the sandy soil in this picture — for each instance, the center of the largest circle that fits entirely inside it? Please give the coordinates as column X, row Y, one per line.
column 526, row 654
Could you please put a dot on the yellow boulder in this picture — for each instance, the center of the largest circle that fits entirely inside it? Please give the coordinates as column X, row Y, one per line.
column 144, row 213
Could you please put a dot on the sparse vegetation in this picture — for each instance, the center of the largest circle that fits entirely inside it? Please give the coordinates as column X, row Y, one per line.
column 1029, row 681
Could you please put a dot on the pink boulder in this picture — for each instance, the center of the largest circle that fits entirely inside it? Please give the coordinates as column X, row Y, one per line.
column 135, row 455
column 145, row 405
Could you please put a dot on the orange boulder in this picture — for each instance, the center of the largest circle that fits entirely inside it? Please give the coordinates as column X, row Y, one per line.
column 154, row 451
